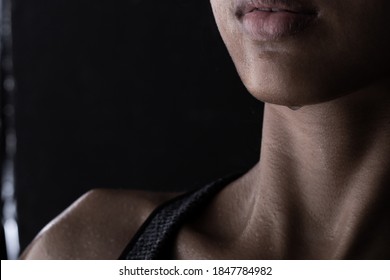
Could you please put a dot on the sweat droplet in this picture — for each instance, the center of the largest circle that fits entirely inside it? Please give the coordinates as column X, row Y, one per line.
column 294, row 108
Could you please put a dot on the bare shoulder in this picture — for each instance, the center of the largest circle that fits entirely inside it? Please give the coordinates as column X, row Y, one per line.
column 98, row 225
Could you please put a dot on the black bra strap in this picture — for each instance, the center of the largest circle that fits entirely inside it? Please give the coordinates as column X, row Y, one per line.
column 154, row 237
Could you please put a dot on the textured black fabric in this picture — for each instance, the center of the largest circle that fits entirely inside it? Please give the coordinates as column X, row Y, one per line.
column 154, row 239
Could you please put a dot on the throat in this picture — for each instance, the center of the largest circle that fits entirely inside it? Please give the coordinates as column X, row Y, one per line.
column 322, row 178
column 319, row 191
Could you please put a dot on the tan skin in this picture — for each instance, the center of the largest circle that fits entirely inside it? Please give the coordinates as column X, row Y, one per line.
column 321, row 188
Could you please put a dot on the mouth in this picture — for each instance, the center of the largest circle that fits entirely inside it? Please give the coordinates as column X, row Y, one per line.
column 274, row 6
column 278, row 10
column 266, row 20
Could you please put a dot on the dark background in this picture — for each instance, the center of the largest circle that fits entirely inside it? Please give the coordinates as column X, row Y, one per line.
column 123, row 94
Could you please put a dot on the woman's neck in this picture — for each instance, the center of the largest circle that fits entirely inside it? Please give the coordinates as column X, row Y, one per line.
column 323, row 170
column 320, row 189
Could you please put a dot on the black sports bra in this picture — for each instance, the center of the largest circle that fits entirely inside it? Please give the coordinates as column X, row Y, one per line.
column 154, row 239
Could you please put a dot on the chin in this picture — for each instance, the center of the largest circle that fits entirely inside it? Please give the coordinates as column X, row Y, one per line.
column 344, row 50
column 304, row 85
column 290, row 98
column 293, row 92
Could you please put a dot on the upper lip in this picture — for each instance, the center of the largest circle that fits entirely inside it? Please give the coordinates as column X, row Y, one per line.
column 244, row 7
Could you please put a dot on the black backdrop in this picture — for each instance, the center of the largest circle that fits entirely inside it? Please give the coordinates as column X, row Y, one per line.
column 123, row 94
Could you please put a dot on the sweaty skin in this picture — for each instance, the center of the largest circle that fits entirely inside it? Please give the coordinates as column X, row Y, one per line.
column 97, row 226
column 322, row 185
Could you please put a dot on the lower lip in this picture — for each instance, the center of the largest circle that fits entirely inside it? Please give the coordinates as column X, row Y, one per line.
column 267, row 26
